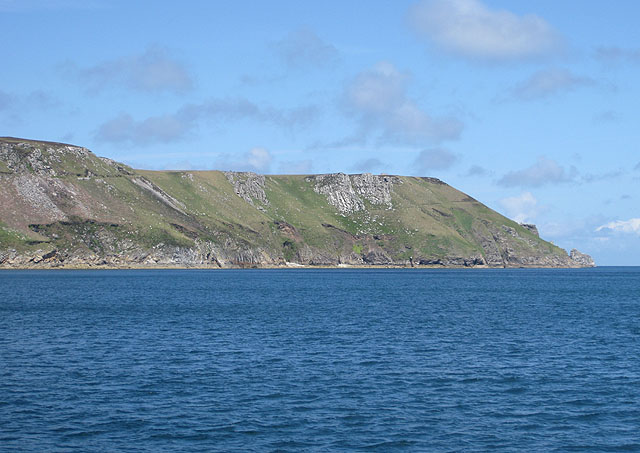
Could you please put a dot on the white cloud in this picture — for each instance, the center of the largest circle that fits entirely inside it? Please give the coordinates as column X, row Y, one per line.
column 257, row 160
column 152, row 71
column 544, row 171
column 523, row 208
column 378, row 99
column 305, row 48
column 471, row 29
column 624, row 226
column 550, row 82
column 378, row 89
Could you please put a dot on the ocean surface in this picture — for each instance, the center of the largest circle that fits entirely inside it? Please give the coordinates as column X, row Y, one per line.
column 320, row 360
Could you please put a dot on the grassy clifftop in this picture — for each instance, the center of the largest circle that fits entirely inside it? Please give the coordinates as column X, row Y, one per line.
column 61, row 205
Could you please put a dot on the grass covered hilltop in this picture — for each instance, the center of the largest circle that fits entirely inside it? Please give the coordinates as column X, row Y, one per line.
column 62, row 206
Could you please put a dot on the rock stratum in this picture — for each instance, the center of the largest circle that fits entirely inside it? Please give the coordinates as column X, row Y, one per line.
column 63, row 206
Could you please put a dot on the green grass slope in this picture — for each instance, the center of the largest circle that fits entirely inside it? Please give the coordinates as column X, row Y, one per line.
column 61, row 205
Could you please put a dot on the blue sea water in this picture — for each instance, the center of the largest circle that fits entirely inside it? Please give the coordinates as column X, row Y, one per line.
column 320, row 360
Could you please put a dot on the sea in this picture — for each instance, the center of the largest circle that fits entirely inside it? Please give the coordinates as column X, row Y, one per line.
column 320, row 360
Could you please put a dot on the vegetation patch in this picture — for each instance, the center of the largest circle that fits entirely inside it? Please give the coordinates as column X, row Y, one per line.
column 463, row 219
column 289, row 250
column 11, row 238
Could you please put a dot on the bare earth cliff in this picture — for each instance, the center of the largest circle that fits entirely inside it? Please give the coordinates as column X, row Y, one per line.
column 62, row 206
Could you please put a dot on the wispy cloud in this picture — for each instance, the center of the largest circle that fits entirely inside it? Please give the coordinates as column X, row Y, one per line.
column 604, row 176
column 435, row 159
column 623, row 226
column 471, row 29
column 378, row 99
column 550, row 82
column 304, row 48
column 607, row 116
column 617, row 54
column 42, row 99
column 543, row 172
column 228, row 109
column 477, row 170
column 153, row 71
column 173, row 127
column 155, row 129
column 34, row 100
column 549, row 172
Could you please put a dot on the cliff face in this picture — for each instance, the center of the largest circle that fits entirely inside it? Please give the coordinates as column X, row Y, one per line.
column 60, row 205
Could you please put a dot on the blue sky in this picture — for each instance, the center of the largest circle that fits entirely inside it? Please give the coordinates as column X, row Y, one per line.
column 530, row 107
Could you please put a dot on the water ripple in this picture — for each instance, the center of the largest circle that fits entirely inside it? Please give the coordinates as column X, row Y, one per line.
column 323, row 360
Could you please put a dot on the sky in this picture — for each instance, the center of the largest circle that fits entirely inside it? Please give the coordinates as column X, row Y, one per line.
column 529, row 107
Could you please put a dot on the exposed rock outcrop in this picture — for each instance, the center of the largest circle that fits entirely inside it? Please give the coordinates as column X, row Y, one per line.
column 55, row 159
column 348, row 192
column 531, row 227
column 374, row 188
column 339, row 192
column 582, row 259
column 249, row 186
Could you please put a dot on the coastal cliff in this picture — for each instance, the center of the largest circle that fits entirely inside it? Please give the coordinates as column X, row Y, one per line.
column 63, row 206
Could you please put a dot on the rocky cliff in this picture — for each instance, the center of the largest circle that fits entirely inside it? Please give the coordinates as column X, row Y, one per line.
column 62, row 206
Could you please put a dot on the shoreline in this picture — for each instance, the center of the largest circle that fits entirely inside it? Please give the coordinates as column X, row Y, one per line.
column 264, row 267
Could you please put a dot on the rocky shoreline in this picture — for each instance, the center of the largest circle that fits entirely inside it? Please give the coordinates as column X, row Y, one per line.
column 265, row 267
column 55, row 260
column 64, row 207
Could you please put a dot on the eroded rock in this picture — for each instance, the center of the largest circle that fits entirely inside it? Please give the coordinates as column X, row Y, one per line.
column 531, row 227
column 581, row 259
column 348, row 192
column 374, row 188
column 249, row 186
column 339, row 192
